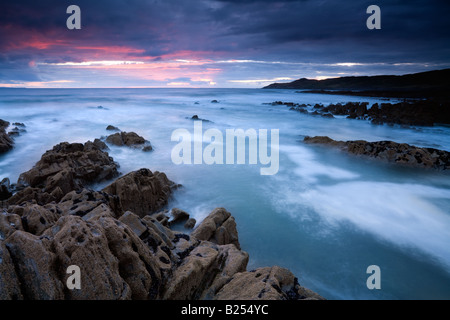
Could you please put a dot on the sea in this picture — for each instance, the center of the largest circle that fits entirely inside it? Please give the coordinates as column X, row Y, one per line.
column 325, row 215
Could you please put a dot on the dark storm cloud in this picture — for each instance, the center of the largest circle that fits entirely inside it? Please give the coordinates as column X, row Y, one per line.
column 310, row 31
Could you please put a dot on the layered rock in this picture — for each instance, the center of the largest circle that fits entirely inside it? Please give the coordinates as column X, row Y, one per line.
column 142, row 192
column 218, row 227
column 67, row 167
column 125, row 258
column 392, row 152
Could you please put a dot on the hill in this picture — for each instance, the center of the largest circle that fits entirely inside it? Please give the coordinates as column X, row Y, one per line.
column 424, row 84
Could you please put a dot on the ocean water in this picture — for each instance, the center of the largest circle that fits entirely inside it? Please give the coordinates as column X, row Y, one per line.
column 325, row 215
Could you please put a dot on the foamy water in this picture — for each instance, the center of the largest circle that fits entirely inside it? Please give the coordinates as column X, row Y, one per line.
column 325, row 215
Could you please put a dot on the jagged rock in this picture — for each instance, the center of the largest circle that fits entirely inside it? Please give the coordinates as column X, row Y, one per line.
column 36, row 195
column 190, row 223
column 179, row 215
column 35, row 218
column 9, row 223
column 6, row 143
column 9, row 282
column 68, row 166
column 125, row 139
column 218, row 227
column 86, row 203
column 36, row 267
column 5, row 189
column 269, row 283
column 392, row 152
column 142, row 191
column 133, row 221
column 112, row 128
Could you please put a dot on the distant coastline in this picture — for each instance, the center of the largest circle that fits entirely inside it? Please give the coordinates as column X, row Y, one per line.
column 430, row 84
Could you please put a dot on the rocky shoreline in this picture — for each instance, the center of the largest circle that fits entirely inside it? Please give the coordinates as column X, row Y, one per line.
column 120, row 237
column 390, row 152
column 408, row 113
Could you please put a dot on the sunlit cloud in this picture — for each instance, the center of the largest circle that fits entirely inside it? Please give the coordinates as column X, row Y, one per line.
column 37, row 84
column 254, row 81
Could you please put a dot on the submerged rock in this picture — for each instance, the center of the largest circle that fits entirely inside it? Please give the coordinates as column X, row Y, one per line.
column 112, row 128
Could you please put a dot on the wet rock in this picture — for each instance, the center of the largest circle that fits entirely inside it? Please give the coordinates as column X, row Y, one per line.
column 392, row 152
column 112, row 128
column 35, row 267
column 9, row 282
column 269, row 283
column 179, row 215
column 69, row 166
column 9, row 223
column 195, row 117
column 6, row 143
column 5, row 189
column 190, row 223
column 327, row 115
column 129, row 139
column 218, row 227
column 142, row 192
column 214, row 101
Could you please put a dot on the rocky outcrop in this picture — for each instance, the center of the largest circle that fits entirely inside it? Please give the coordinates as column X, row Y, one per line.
column 392, row 152
column 219, row 227
column 414, row 113
column 269, row 283
column 67, row 167
column 118, row 242
column 6, row 143
column 129, row 139
column 142, row 192
column 5, row 189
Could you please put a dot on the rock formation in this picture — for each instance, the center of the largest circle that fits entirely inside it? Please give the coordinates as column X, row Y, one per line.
column 6, row 143
column 67, row 167
column 389, row 151
column 129, row 139
column 117, row 239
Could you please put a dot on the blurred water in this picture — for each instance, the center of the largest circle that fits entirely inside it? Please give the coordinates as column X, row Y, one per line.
column 325, row 215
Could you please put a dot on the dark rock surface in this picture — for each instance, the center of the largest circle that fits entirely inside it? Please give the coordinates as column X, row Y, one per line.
column 410, row 113
column 129, row 139
column 67, row 167
column 6, row 143
column 392, row 152
column 142, row 192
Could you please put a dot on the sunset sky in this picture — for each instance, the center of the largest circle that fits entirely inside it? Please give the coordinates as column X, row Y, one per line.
column 220, row 43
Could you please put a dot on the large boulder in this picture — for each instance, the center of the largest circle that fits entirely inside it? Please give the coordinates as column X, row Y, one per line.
column 142, row 192
column 218, row 227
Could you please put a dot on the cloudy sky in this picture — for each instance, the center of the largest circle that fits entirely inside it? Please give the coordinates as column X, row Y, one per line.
column 216, row 43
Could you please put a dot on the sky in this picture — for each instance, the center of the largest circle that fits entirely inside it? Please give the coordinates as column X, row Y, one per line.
column 216, row 43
